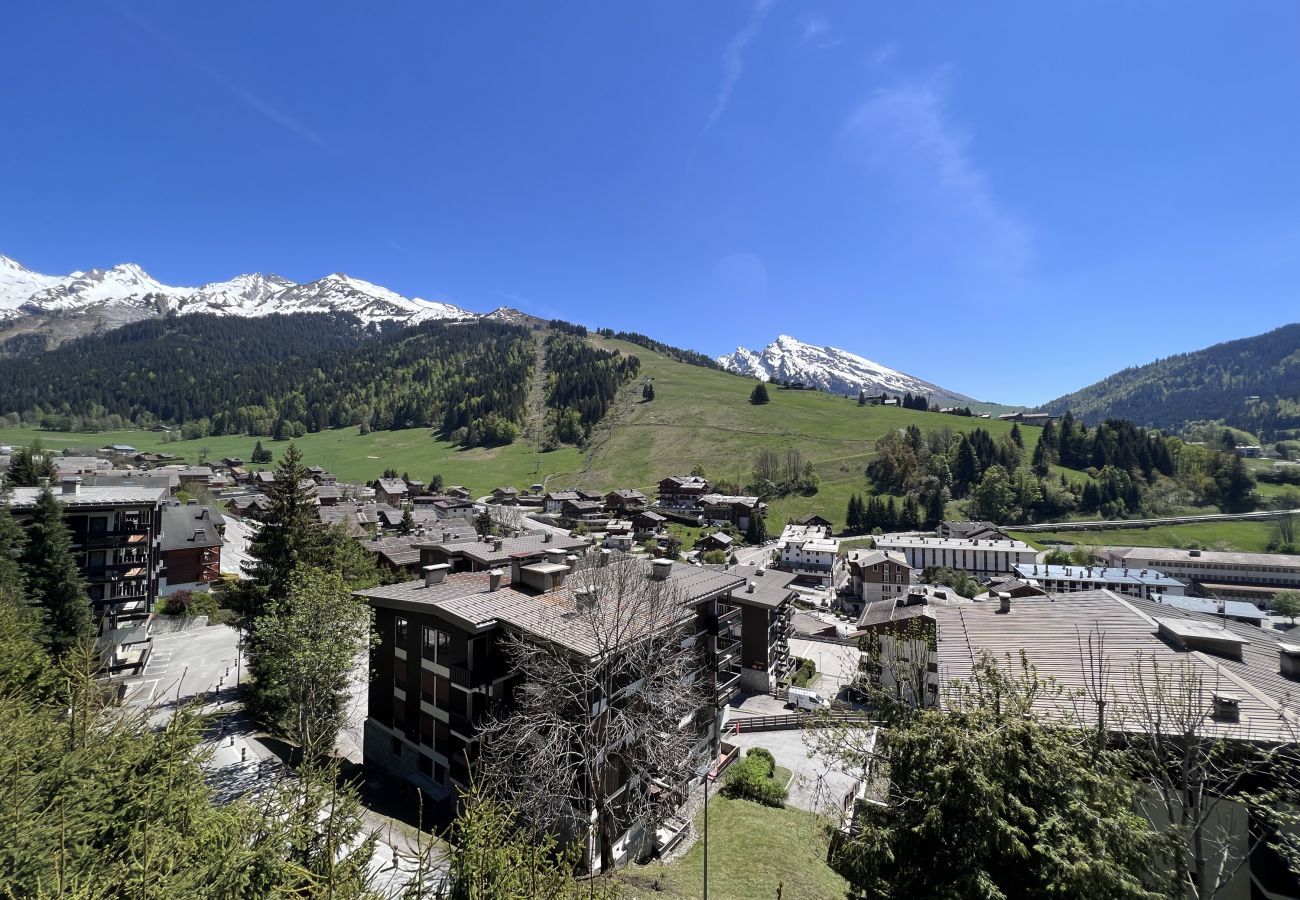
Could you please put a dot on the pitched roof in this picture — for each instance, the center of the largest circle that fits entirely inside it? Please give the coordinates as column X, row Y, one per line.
column 552, row 615
column 188, row 527
column 486, row 552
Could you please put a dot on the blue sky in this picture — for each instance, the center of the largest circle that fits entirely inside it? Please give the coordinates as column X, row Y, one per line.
column 1011, row 200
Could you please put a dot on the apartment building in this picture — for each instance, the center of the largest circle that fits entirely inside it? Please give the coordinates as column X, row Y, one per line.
column 766, row 624
column 876, row 575
column 1245, row 576
column 981, row 558
column 1145, row 584
column 481, row 554
column 439, row 666
column 811, row 553
column 116, row 538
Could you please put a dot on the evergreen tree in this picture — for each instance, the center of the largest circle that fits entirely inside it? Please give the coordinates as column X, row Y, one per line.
column 756, row 533
column 12, row 540
column 648, row 392
column 261, row 456
column 966, row 468
column 1016, row 437
column 53, row 583
column 759, row 396
column 408, row 521
column 436, row 484
column 934, row 508
column 28, row 465
column 853, row 518
column 483, row 524
column 910, row 517
column 890, row 522
column 289, row 530
column 862, row 397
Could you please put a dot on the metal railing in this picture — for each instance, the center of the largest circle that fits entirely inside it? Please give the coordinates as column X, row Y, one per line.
column 796, row 720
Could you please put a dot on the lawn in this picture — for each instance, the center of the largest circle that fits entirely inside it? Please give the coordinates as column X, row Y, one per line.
column 753, row 850
column 1246, row 537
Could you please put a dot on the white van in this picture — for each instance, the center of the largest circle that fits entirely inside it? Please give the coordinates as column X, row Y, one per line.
column 805, row 698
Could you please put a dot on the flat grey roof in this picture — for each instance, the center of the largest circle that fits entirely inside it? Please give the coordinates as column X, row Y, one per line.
column 771, row 588
column 95, row 495
column 1224, row 557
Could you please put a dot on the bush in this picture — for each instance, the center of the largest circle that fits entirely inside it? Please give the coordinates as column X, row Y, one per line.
column 804, row 672
column 178, row 604
column 752, row 779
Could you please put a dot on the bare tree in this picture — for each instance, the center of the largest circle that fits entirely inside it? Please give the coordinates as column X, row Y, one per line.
column 767, row 467
column 611, row 717
column 1223, row 792
column 793, row 464
column 506, row 519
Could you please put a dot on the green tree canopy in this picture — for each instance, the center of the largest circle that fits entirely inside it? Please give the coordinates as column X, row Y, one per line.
column 53, row 582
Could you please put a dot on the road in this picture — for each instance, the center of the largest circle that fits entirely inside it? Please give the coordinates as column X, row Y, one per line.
column 1143, row 523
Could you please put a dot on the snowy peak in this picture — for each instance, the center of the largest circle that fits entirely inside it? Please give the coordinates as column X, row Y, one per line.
column 126, row 292
column 828, row 369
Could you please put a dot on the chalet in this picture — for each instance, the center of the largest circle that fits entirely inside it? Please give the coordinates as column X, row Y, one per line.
column 648, row 523
column 506, row 496
column 585, row 494
column 625, row 500
column 682, row 491
column 191, row 548
column 1028, row 418
column 262, row 480
column 553, row 503
column 970, row 531
column 326, row 494
column 232, row 462
column 816, row 520
column 582, row 510
column 459, row 491
column 251, row 506
column 391, row 491
column 117, row 449
column 414, row 487
column 718, row 541
column 482, row 554
column 721, row 508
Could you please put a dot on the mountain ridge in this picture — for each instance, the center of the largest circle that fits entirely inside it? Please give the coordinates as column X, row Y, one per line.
column 41, row 311
column 830, row 369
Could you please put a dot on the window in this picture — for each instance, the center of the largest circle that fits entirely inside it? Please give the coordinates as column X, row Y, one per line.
column 435, row 643
column 397, row 747
column 399, row 630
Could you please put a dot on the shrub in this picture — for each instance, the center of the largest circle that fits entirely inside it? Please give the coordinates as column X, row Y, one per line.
column 178, row 604
column 804, row 672
column 752, row 779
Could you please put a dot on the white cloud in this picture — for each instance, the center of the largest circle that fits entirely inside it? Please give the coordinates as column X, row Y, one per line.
column 733, row 58
column 883, row 54
column 908, row 136
column 815, row 29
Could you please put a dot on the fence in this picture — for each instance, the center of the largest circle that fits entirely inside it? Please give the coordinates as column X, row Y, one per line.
column 792, row 721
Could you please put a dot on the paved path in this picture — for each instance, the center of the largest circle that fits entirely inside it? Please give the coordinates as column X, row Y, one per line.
column 234, row 549
column 816, row 783
column 837, row 664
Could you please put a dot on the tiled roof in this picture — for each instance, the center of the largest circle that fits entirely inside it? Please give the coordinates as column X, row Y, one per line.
column 486, row 553
column 553, row 615
column 180, row 524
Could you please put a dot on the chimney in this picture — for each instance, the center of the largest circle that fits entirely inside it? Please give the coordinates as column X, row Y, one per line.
column 1289, row 660
column 71, row 486
column 555, row 557
column 203, row 513
column 759, row 571
column 749, row 588
column 496, row 544
column 585, row 598
column 546, row 537
column 494, row 578
column 435, row 574
column 446, row 536
column 1004, row 602
column 379, row 532
column 1227, row 707
column 660, row 569
column 191, row 502
column 604, row 556
column 197, row 535
column 571, row 561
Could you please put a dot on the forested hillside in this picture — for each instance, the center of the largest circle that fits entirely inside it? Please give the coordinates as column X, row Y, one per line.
column 281, row 376
column 582, row 383
column 1252, row 383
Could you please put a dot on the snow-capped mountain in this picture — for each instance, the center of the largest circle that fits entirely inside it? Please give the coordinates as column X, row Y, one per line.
column 125, row 293
column 828, row 369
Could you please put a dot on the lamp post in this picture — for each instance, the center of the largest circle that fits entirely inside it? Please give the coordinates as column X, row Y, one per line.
column 703, row 772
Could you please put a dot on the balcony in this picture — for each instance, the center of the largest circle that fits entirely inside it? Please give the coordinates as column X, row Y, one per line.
column 463, row 676
column 112, row 537
column 728, row 650
column 732, row 614
column 728, row 685
column 461, row 725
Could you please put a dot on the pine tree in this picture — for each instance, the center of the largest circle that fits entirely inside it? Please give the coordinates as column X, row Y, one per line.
column 756, row 533
column 853, row 518
column 648, row 392
column 759, row 395
column 891, row 516
column 53, row 582
column 408, row 521
column 29, row 465
column 12, row 539
column 862, row 397
column 289, row 528
column 1016, row 436
column 910, row 518
column 261, row 456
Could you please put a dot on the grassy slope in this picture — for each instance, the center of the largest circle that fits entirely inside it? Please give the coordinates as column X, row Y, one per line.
column 1245, row 537
column 699, row 416
column 752, row 850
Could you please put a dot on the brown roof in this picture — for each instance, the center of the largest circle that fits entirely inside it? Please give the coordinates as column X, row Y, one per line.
column 551, row 616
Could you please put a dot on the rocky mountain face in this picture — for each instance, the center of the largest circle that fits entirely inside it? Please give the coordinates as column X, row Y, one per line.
column 40, row 311
column 831, row 370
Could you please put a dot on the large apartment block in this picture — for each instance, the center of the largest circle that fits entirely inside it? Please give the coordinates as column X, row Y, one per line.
column 439, row 666
column 876, row 575
column 116, row 533
column 1246, row 576
column 981, row 558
